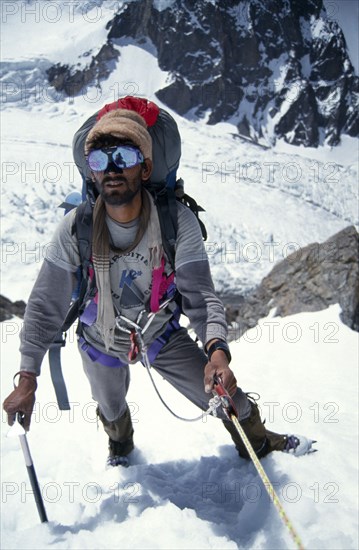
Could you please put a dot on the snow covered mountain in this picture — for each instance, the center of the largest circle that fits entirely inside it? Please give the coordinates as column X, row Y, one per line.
column 276, row 69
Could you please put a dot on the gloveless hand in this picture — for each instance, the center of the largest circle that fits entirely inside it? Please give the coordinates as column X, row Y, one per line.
column 218, row 366
column 21, row 399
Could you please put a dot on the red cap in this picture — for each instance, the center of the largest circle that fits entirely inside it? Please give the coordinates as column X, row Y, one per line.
column 147, row 109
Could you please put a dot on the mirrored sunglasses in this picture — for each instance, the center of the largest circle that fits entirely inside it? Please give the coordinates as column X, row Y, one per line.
column 122, row 156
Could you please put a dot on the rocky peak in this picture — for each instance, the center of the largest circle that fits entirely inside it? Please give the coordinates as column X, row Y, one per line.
column 277, row 69
column 9, row 309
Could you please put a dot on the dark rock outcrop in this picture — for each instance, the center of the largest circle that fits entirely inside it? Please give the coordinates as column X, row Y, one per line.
column 310, row 279
column 73, row 81
column 9, row 309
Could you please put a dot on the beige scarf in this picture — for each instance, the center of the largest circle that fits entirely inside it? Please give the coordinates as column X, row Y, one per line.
column 101, row 247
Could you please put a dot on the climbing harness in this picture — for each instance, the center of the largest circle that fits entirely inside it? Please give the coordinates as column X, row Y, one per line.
column 138, row 345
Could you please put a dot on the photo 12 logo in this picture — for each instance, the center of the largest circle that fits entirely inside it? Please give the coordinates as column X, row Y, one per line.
column 51, row 11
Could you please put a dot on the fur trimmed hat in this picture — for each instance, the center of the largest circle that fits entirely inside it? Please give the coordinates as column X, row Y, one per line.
column 122, row 124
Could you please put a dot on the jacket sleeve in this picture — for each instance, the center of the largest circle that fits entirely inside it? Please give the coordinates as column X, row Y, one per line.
column 194, row 281
column 45, row 313
column 51, row 296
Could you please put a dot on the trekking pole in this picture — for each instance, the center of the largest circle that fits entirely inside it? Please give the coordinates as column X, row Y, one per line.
column 31, row 471
column 229, row 408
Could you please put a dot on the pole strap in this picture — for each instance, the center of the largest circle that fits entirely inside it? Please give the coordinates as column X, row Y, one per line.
column 56, row 372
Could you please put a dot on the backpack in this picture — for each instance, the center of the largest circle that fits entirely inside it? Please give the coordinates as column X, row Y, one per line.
column 164, row 187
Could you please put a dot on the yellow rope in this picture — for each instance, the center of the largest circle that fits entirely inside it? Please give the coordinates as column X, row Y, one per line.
column 267, row 484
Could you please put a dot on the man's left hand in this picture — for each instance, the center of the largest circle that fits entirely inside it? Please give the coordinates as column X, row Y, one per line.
column 218, row 366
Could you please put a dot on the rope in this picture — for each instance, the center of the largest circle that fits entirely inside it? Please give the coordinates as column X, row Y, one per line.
column 167, row 407
column 146, row 362
column 267, row 484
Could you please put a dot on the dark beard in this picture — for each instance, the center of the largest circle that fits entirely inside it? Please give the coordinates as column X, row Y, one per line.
column 119, row 197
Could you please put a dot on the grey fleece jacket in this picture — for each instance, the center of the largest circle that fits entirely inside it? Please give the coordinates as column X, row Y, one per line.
column 130, row 285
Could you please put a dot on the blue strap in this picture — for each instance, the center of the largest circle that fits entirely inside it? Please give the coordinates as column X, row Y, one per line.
column 56, row 372
column 158, row 344
column 110, row 361
column 97, row 355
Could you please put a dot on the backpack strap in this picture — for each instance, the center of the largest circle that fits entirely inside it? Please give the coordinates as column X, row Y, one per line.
column 83, row 229
column 165, row 201
column 196, row 209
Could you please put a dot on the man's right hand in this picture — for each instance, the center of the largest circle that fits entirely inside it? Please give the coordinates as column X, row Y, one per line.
column 22, row 399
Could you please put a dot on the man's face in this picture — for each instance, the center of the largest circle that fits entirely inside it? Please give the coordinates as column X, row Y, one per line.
column 117, row 185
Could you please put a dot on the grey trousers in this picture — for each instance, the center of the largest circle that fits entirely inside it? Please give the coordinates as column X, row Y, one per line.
column 181, row 362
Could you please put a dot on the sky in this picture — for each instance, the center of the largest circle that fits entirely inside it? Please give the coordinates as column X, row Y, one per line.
column 346, row 13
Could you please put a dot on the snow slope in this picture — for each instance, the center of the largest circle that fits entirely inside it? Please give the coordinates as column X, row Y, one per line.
column 187, row 488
